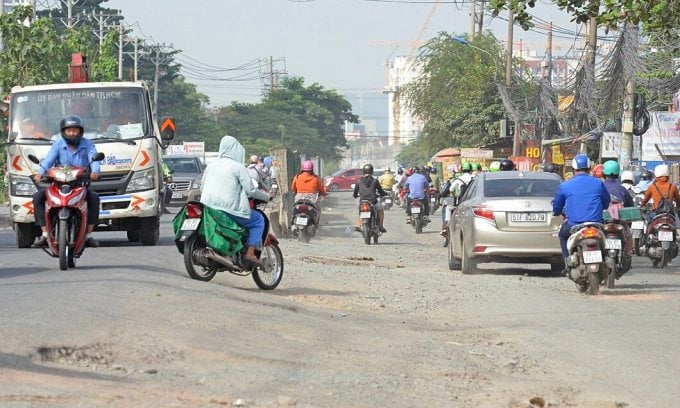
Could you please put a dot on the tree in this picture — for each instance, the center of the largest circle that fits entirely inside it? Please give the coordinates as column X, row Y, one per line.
column 660, row 16
column 318, row 108
column 455, row 95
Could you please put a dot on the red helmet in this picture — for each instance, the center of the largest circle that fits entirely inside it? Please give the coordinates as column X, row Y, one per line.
column 598, row 171
column 307, row 165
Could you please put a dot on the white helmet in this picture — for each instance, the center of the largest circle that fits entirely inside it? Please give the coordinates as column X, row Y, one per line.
column 661, row 170
column 627, row 176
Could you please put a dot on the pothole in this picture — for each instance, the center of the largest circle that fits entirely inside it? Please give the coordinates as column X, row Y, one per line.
column 83, row 356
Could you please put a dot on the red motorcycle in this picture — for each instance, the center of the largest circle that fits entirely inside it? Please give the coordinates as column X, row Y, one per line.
column 66, row 211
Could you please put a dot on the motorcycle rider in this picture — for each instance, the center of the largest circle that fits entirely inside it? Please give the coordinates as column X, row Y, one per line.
column 550, row 168
column 628, row 181
column 255, row 169
column 598, row 172
column 660, row 188
column 436, row 180
column 417, row 185
column 308, row 186
column 459, row 183
column 582, row 199
column 227, row 186
column 368, row 188
column 645, row 180
column 387, row 180
column 72, row 149
column 611, row 169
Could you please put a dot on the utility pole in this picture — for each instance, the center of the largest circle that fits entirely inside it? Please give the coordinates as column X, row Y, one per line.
column 271, row 74
column 628, row 115
column 136, row 58
column 120, row 50
column 34, row 4
column 69, row 15
column 157, row 73
column 550, row 56
column 508, row 80
column 473, row 17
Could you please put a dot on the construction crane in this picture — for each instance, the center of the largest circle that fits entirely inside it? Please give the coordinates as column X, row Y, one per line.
column 393, row 86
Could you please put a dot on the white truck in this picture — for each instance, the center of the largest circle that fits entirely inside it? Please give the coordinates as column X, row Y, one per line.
column 119, row 119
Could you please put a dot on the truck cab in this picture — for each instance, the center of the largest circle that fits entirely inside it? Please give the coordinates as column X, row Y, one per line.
column 119, row 119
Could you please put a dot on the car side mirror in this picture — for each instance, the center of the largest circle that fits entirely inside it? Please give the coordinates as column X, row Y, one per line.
column 98, row 157
column 33, row 159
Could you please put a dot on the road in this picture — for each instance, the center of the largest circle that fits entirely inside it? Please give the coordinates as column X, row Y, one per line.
column 350, row 325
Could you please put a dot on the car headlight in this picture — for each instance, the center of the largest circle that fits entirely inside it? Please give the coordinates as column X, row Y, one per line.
column 21, row 186
column 196, row 184
column 142, row 180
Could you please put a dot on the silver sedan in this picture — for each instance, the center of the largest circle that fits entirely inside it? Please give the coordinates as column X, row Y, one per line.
column 506, row 217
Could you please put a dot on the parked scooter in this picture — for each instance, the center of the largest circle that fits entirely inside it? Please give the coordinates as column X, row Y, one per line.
column 207, row 252
column 66, row 211
column 660, row 240
column 369, row 222
column 305, row 219
column 587, row 267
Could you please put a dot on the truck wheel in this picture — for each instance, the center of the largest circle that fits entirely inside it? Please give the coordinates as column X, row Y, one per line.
column 134, row 235
column 25, row 234
column 149, row 231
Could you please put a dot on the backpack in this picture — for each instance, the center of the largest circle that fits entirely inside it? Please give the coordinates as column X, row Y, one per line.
column 463, row 189
column 664, row 206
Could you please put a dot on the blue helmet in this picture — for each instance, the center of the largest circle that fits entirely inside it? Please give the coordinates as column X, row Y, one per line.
column 580, row 162
column 267, row 161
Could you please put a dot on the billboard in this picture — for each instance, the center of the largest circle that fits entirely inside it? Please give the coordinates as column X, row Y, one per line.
column 662, row 137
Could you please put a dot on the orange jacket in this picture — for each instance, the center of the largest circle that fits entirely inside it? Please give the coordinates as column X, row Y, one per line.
column 306, row 182
column 664, row 185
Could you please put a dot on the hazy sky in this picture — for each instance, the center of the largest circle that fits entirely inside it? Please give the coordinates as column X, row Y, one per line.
column 333, row 42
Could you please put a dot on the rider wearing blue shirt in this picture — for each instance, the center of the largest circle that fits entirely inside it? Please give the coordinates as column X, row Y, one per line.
column 417, row 185
column 582, row 199
column 72, row 149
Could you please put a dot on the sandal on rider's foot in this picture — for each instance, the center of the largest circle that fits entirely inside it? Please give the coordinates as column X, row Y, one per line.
column 357, row 229
column 250, row 262
column 41, row 242
column 382, row 229
column 92, row 243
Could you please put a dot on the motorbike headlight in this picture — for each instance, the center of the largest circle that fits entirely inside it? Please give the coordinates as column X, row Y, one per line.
column 142, row 180
column 196, row 184
column 21, row 186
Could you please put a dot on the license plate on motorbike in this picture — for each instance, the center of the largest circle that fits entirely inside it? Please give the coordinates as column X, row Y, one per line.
column 666, row 236
column 432, row 199
column 191, row 224
column 637, row 233
column 415, row 210
column 592, row 257
column 365, row 214
column 301, row 220
column 637, row 225
column 388, row 201
column 611, row 243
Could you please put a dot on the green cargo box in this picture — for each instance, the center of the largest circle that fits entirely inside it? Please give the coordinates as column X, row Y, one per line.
column 625, row 214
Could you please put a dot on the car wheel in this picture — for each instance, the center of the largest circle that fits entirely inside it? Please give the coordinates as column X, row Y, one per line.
column 454, row 263
column 468, row 266
column 334, row 187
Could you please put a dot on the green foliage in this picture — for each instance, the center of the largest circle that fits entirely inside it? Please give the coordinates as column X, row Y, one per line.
column 661, row 16
column 456, row 95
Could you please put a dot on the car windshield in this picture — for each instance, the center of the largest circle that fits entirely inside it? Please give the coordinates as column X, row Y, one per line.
column 525, row 187
column 182, row 165
column 106, row 113
column 337, row 173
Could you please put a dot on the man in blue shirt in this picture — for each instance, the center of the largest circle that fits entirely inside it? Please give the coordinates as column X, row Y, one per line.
column 417, row 186
column 582, row 199
column 72, row 149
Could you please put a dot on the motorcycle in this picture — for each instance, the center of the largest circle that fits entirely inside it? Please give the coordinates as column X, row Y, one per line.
column 660, row 240
column 66, row 211
column 202, row 260
column 369, row 222
column 305, row 219
column 387, row 201
column 586, row 263
column 617, row 241
column 418, row 218
column 433, row 195
column 639, row 226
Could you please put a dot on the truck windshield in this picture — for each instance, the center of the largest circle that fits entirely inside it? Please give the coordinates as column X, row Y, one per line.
column 117, row 113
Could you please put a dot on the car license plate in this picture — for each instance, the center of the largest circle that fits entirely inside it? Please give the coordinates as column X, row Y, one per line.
column 415, row 210
column 388, row 201
column 301, row 221
column 610, row 243
column 191, row 224
column 180, row 194
column 665, row 235
column 637, row 225
column 365, row 214
column 529, row 217
column 592, row 257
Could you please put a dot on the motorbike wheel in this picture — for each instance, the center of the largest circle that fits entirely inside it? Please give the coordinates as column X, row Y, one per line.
column 62, row 237
column 375, row 237
column 366, row 230
column 637, row 245
column 304, row 235
column 663, row 262
column 611, row 279
column 418, row 224
column 271, row 276
column 593, row 284
column 202, row 273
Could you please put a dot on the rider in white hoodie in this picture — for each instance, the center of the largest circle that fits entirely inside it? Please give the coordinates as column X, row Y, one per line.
column 227, row 187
